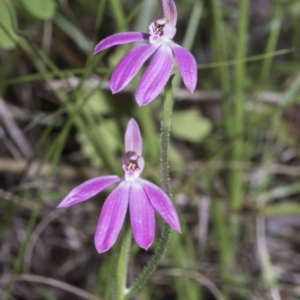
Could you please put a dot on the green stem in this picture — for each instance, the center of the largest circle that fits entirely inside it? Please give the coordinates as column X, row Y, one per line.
column 119, row 15
column 165, row 182
column 272, row 40
column 165, row 138
column 236, row 176
column 122, row 265
column 221, row 232
column 219, row 43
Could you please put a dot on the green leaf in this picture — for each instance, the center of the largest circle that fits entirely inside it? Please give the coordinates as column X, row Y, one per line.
column 41, row 9
column 8, row 35
column 190, row 125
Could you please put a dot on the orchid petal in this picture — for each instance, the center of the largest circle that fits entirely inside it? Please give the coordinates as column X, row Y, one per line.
column 112, row 217
column 187, row 66
column 119, row 39
column 156, row 76
column 170, row 10
column 129, row 66
column 133, row 138
column 142, row 217
column 88, row 189
column 161, row 203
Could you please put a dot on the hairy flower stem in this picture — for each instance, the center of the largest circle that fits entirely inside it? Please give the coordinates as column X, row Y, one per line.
column 165, row 138
column 122, row 265
column 165, row 182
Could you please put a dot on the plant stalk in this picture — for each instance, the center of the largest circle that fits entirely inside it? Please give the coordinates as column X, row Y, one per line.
column 122, row 266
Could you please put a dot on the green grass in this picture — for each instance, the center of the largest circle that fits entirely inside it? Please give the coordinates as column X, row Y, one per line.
column 246, row 167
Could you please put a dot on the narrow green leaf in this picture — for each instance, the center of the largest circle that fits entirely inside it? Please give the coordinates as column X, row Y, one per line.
column 73, row 32
column 8, row 35
column 41, row 9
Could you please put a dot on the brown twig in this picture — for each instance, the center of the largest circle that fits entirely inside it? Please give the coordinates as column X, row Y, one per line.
column 57, row 284
column 205, row 281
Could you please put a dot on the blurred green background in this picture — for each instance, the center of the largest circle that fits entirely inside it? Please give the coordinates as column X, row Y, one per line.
column 235, row 168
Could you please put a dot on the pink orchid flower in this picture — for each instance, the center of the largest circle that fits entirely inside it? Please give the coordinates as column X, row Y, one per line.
column 162, row 31
column 142, row 197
